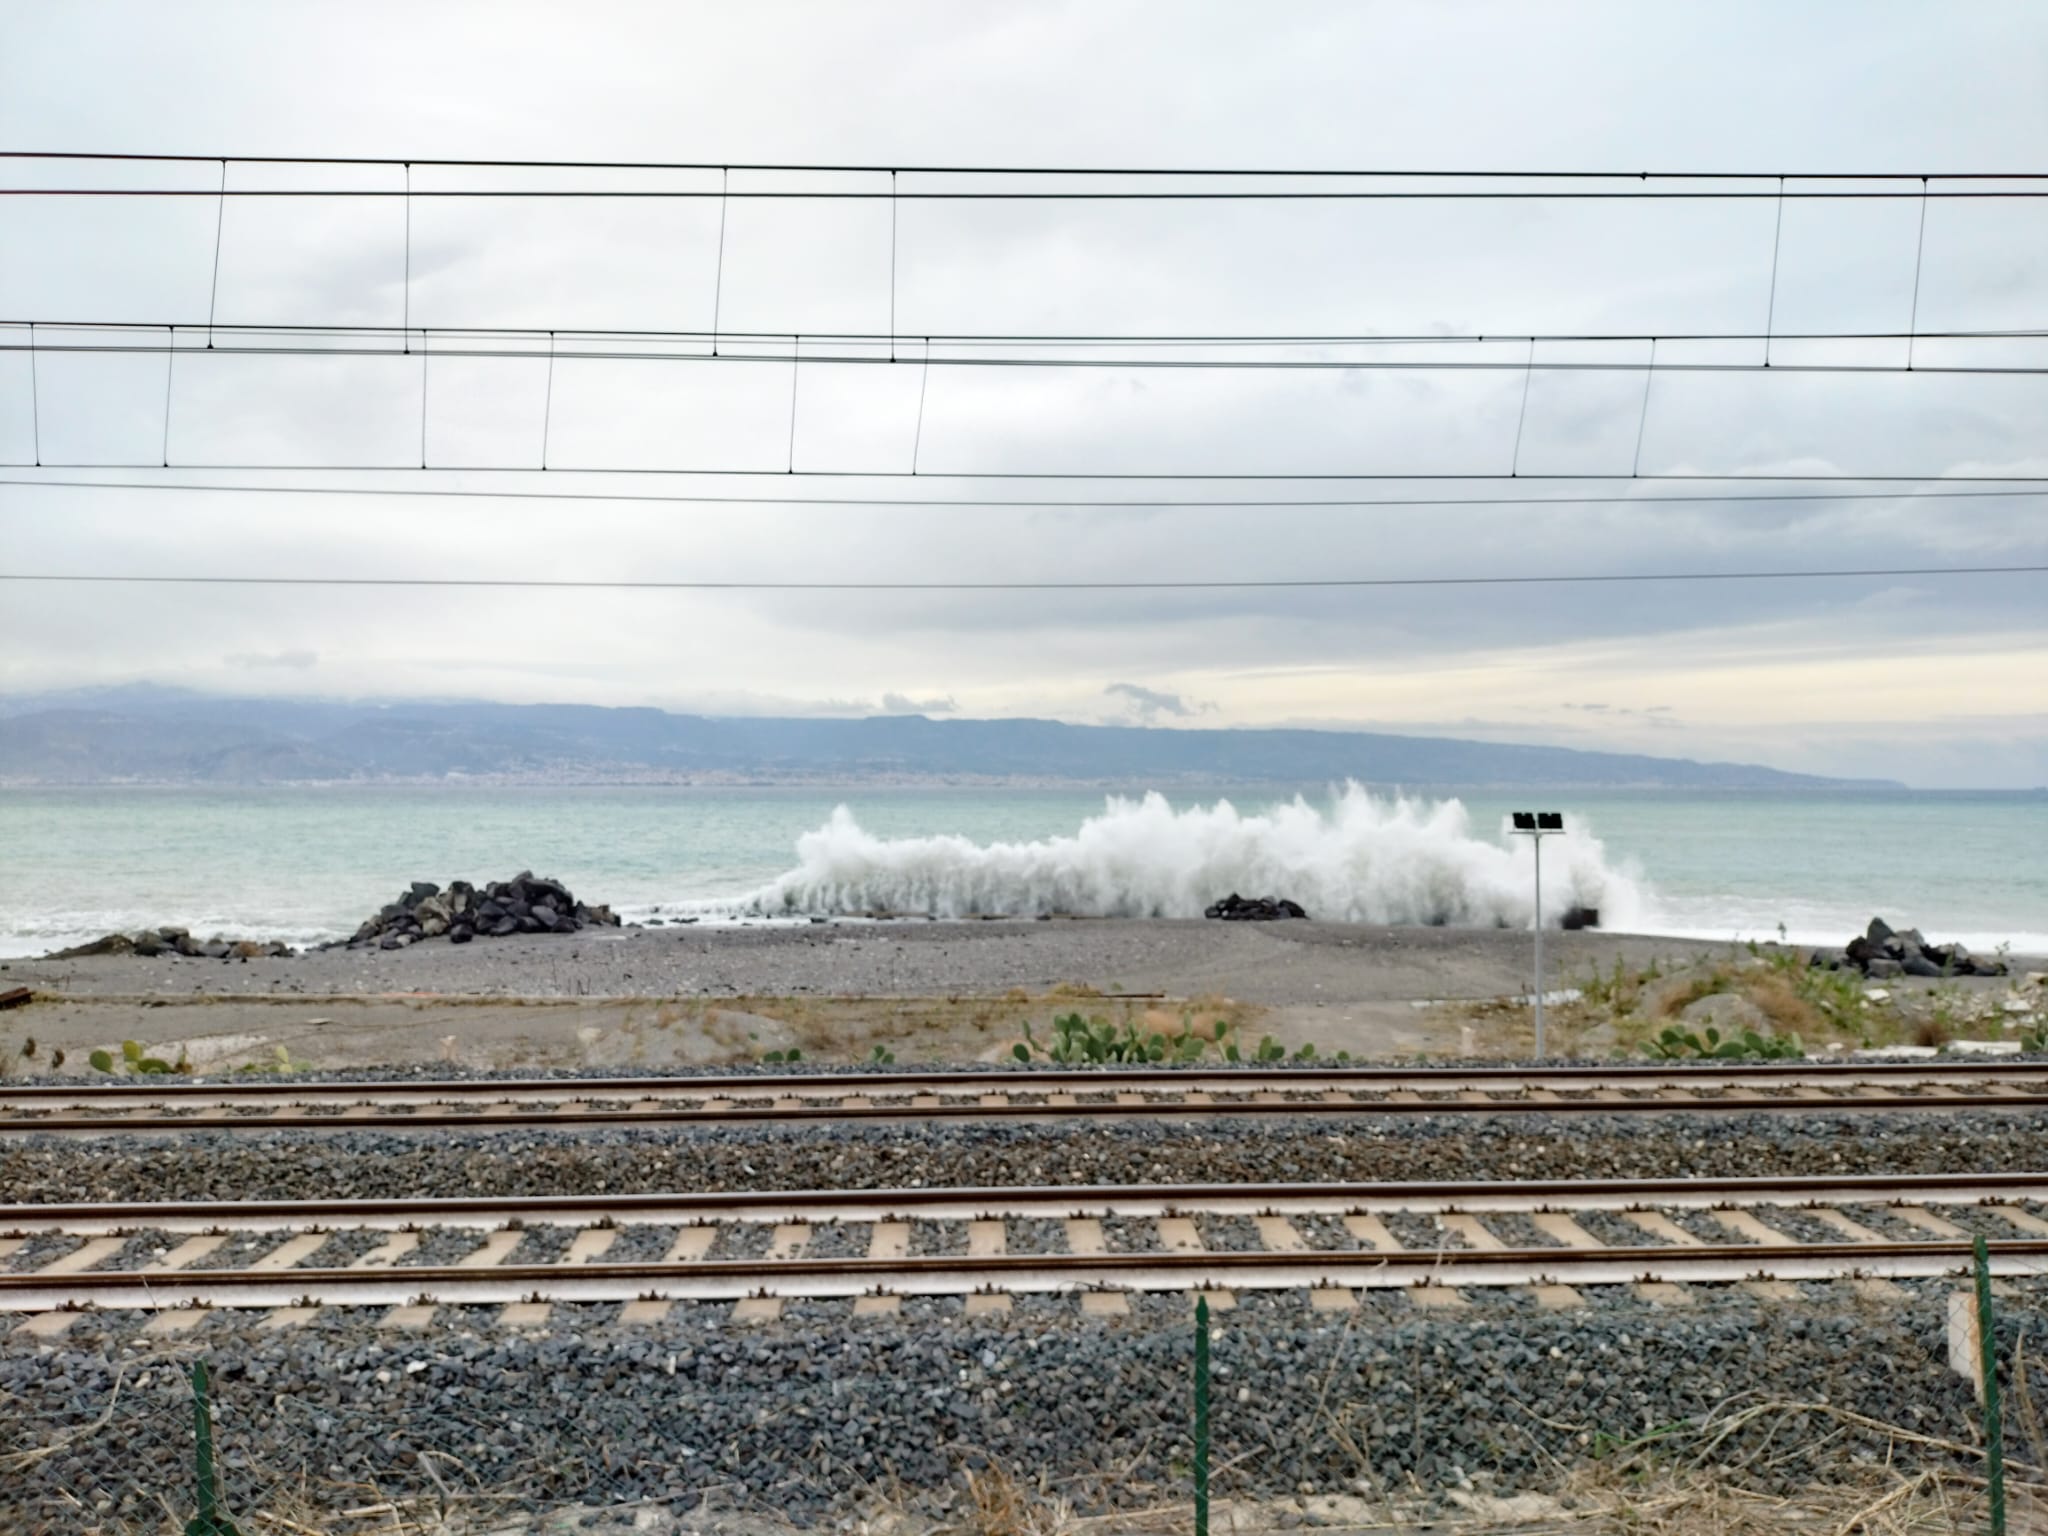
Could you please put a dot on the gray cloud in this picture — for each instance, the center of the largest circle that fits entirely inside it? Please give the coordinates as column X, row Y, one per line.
column 1150, row 703
column 904, row 704
column 1826, row 91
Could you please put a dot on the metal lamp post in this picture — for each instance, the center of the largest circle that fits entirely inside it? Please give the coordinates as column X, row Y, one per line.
column 1534, row 825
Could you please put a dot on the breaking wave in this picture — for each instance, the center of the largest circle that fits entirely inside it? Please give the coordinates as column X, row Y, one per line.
column 1361, row 858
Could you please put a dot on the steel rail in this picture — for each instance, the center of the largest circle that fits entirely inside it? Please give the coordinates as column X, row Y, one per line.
column 1156, row 1109
column 726, row 1279
column 941, row 1202
column 1205, row 1078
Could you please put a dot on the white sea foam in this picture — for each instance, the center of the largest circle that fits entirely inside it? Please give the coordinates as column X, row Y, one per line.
column 1359, row 858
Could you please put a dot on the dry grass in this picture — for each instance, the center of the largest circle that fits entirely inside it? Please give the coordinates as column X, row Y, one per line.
column 1672, row 1001
column 1782, row 1005
column 1933, row 1029
column 920, row 1028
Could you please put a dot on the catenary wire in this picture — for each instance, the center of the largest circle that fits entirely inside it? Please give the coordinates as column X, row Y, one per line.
column 1497, row 336
column 144, row 347
column 1764, row 497
column 1016, row 170
column 1199, row 476
column 650, row 585
column 792, row 194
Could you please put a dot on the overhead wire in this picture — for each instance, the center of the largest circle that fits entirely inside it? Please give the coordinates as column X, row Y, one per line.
column 1110, row 504
column 1519, row 579
column 1115, row 476
column 680, row 194
column 825, row 167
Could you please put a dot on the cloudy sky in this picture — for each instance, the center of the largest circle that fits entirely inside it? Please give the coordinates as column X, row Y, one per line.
column 1941, row 681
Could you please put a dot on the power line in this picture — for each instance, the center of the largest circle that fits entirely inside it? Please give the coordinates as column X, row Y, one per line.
column 576, row 584
column 1496, row 337
column 145, row 347
column 791, row 194
column 1201, row 477
column 1764, row 497
column 1017, row 170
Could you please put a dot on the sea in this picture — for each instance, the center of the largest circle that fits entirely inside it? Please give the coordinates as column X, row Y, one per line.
column 307, row 864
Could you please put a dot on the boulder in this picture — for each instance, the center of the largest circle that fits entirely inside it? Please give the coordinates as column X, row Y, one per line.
column 1728, row 1012
column 1882, row 969
column 1878, row 931
column 112, row 944
column 1253, row 909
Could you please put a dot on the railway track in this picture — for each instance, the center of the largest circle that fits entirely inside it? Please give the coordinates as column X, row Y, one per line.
column 165, row 1107
column 1331, row 1240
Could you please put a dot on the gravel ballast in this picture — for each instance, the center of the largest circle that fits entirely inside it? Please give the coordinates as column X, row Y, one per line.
column 359, row 1164
column 809, row 1414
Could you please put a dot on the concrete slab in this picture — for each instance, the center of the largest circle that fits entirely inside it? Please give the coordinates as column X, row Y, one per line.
column 290, row 1252
column 691, row 1243
column 190, row 1251
column 1279, row 1235
column 1664, row 1293
column 178, row 1320
column 48, row 1325
column 495, row 1250
column 1437, row 1298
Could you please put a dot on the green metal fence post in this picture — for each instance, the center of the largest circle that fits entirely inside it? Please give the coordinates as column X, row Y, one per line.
column 209, row 1521
column 1201, row 1416
column 1994, row 1427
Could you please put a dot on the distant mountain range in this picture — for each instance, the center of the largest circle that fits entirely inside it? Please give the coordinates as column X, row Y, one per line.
column 144, row 734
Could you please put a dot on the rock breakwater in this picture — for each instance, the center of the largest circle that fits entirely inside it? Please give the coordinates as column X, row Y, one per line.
column 527, row 903
column 1881, row 952
column 151, row 942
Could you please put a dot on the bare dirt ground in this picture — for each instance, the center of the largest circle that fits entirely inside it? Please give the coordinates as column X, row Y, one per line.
column 921, row 991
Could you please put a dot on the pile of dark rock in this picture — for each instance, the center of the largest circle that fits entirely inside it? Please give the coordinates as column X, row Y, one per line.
column 151, row 942
column 526, row 903
column 1881, row 952
column 1254, row 909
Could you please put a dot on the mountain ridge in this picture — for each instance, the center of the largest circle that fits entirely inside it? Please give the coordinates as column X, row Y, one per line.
column 141, row 734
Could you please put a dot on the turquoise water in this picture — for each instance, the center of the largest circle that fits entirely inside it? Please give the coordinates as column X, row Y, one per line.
column 309, row 863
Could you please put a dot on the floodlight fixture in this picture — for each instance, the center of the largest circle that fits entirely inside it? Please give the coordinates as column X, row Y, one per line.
column 1536, row 825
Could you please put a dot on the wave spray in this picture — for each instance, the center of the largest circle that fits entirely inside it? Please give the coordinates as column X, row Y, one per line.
column 1363, row 858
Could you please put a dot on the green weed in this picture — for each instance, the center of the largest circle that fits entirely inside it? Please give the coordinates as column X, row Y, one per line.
column 1681, row 1044
column 132, row 1060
